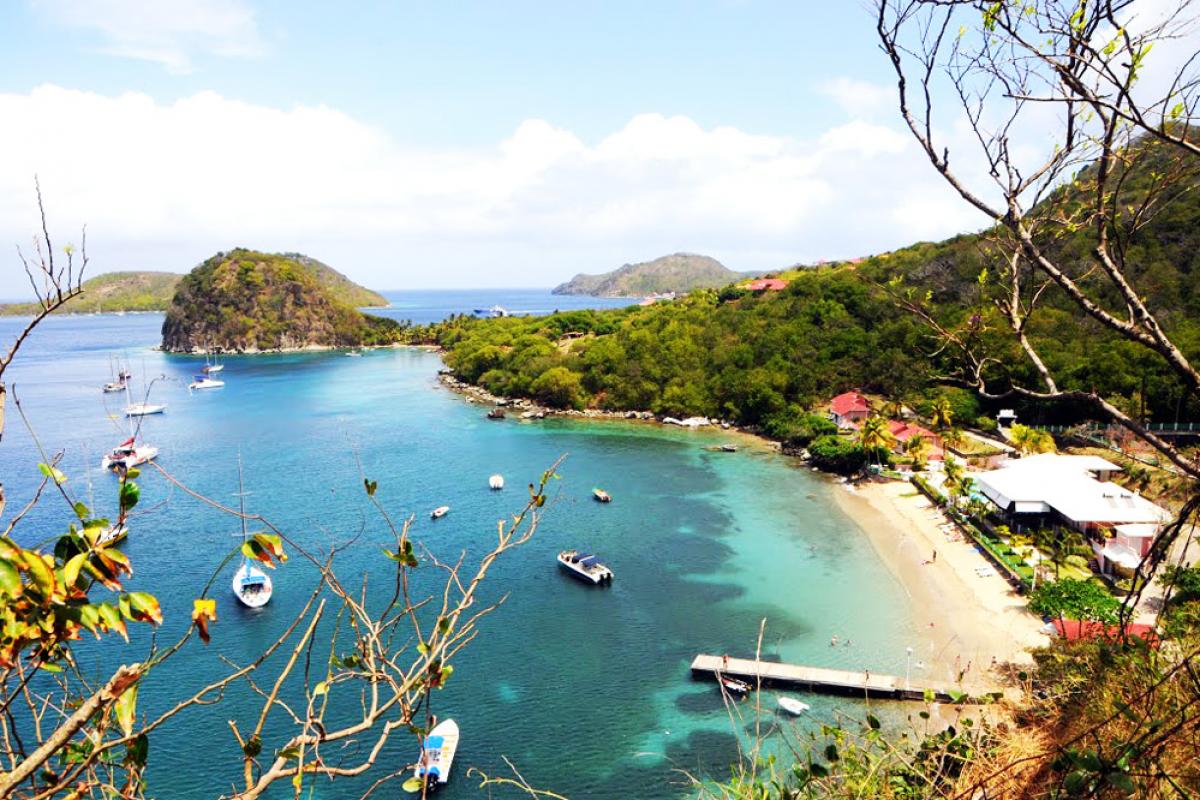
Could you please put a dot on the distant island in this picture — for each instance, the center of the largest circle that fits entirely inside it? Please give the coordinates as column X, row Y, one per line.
column 679, row 272
column 113, row 291
column 244, row 301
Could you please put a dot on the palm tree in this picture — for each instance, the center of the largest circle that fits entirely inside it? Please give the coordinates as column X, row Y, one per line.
column 952, row 437
column 917, row 447
column 941, row 414
column 956, row 480
column 1031, row 440
column 874, row 434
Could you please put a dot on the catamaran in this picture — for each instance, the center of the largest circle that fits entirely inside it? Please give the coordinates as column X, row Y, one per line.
column 437, row 756
column 250, row 584
column 205, row 382
column 128, row 454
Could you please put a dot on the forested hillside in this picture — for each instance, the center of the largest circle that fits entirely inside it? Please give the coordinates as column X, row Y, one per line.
column 113, row 291
column 758, row 357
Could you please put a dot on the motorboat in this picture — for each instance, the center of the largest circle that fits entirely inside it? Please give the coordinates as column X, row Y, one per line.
column 432, row 769
column 205, row 382
column 491, row 313
column 115, row 386
column 729, row 448
column 144, row 409
column 496, row 482
column 250, row 584
column 601, row 496
column 585, row 566
column 128, row 454
column 793, row 706
column 354, row 354
column 439, row 512
column 496, row 413
column 734, row 686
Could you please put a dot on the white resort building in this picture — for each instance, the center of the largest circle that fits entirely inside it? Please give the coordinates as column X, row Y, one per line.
column 1046, row 490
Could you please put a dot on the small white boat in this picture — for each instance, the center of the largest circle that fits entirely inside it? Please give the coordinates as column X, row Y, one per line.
column 601, row 496
column 209, row 369
column 437, row 756
column 734, row 686
column 793, row 706
column 354, row 354
column 251, row 585
column 439, row 512
column 205, row 382
column 128, row 454
column 115, row 386
column 144, row 409
column 585, row 566
column 496, row 482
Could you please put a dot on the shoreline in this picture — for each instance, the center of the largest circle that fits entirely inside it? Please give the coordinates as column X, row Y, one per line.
column 975, row 617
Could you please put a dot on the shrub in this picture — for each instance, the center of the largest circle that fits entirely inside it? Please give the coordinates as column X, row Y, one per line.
column 836, row 454
column 796, row 427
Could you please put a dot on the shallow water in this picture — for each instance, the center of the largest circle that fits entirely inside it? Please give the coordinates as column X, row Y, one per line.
column 586, row 690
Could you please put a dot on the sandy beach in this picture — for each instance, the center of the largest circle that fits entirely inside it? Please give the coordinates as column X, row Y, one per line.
column 968, row 618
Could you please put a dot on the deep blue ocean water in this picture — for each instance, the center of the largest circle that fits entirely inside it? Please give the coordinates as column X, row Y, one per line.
column 587, row 691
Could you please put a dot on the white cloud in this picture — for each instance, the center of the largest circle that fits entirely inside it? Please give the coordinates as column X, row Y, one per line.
column 165, row 185
column 169, row 32
column 858, row 98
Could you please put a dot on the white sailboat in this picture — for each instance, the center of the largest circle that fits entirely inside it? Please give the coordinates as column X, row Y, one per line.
column 144, row 409
column 250, row 585
column 120, row 378
column 437, row 756
column 211, row 366
column 205, row 382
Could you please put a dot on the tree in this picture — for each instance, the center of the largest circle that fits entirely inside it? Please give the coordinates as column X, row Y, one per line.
column 917, row 448
column 874, row 437
column 1083, row 600
column 941, row 413
column 68, row 734
column 1031, row 440
column 558, row 387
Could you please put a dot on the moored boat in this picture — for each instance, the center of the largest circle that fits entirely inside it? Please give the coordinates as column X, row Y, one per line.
column 496, row 482
column 111, row 535
column 128, row 454
column 496, row 413
column 793, row 706
column 439, row 512
column 601, row 496
column 734, row 686
column 205, row 382
column 437, row 756
column 585, row 566
column 144, row 409
column 250, row 585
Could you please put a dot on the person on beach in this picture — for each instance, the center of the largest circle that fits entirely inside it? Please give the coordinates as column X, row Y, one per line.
column 934, row 559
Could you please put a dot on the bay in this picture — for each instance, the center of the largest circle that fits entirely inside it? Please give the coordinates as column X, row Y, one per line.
column 586, row 691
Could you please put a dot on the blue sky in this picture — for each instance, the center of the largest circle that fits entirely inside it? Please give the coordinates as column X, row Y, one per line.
column 459, row 144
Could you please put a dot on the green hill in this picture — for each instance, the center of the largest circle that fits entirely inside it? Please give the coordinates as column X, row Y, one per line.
column 247, row 301
column 760, row 359
column 113, row 291
column 681, row 272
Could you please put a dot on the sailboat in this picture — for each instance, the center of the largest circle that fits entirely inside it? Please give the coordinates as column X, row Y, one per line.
column 211, row 365
column 120, row 381
column 250, row 584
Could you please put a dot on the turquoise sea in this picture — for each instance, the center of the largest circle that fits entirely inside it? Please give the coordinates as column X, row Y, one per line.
column 586, row 691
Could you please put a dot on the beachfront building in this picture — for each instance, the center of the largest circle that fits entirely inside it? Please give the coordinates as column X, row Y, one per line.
column 1049, row 490
column 902, row 432
column 848, row 409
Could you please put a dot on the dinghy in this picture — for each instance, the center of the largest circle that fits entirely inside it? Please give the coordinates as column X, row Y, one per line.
column 496, row 482
column 793, row 706
column 437, row 756
column 439, row 512
column 601, row 496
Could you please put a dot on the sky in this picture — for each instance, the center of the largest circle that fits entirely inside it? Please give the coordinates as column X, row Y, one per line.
column 436, row 145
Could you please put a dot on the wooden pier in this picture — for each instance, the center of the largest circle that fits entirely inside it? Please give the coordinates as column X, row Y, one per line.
column 820, row 679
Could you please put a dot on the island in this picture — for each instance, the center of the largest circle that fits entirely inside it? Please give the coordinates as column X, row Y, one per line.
column 245, row 301
column 112, row 292
column 677, row 273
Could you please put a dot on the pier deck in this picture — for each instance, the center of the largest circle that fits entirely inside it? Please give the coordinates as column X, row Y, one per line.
column 821, row 679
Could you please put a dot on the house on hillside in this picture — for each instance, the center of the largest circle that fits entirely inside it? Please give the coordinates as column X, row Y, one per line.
column 1049, row 490
column 767, row 285
column 848, row 409
column 903, row 432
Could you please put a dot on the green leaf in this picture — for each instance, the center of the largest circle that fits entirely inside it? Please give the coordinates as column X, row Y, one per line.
column 320, row 689
column 252, row 747
column 145, row 608
column 130, row 494
column 288, row 753
column 831, row 752
column 53, row 473
column 1121, row 781
column 126, row 709
column 873, row 721
column 818, row 770
column 412, row 785
column 70, row 570
column 81, row 510
column 10, row 579
column 137, row 751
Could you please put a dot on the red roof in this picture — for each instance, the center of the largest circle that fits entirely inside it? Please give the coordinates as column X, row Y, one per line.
column 847, row 403
column 903, row 431
column 769, row 284
column 1071, row 630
